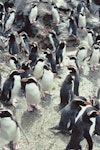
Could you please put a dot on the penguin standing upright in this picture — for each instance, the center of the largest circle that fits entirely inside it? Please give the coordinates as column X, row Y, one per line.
column 66, row 93
column 51, row 60
column 25, row 42
column 74, row 72
column 10, row 20
column 33, row 54
column 13, row 45
column 53, row 39
column 95, row 56
column 82, row 20
column 60, row 53
column 11, row 88
column 9, row 129
column 72, row 26
column 90, row 36
column 38, row 68
column 81, row 55
column 83, row 129
column 33, row 13
column 69, row 113
column 55, row 14
column 32, row 92
column 47, row 79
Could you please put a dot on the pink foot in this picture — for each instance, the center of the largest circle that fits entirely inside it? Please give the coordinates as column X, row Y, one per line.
column 14, row 102
column 15, row 146
column 30, row 109
column 37, row 106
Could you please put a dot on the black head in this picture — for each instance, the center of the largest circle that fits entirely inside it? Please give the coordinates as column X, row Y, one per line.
column 72, row 69
column 81, row 48
column 12, row 37
column 62, row 45
column 13, row 73
column 34, row 47
column 15, row 59
column 31, row 80
column 25, row 65
column 47, row 66
column 69, row 78
column 5, row 113
column 40, row 60
column 79, row 102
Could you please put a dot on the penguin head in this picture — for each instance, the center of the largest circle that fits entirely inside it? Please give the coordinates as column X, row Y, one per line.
column 31, row 79
column 12, row 37
column 34, row 5
column 95, row 103
column 23, row 34
column 5, row 113
column 34, row 47
column 53, row 33
column 47, row 66
column 14, row 59
column 26, row 65
column 80, row 102
column 71, row 69
column 13, row 73
column 69, row 78
column 62, row 44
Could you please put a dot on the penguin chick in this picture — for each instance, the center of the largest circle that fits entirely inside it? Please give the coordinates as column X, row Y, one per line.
column 69, row 113
column 32, row 93
column 94, row 58
column 66, row 93
column 47, row 79
column 11, row 88
column 9, row 129
column 33, row 13
column 38, row 68
column 83, row 129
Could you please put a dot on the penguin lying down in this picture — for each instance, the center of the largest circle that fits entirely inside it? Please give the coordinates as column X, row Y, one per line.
column 9, row 129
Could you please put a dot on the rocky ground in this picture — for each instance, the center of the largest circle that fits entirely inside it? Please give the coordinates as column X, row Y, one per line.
column 36, row 124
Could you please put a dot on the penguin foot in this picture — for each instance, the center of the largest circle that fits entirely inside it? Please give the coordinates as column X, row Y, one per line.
column 30, row 109
column 15, row 146
column 38, row 107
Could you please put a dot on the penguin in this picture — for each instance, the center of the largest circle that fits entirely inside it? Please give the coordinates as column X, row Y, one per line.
column 74, row 73
column 51, row 60
column 83, row 129
column 33, row 56
column 81, row 55
column 33, row 13
column 94, row 57
column 66, row 93
column 27, row 72
column 2, row 13
column 81, row 7
column 47, row 79
column 32, row 93
column 90, row 36
column 53, row 39
column 69, row 113
column 11, row 17
column 82, row 20
column 25, row 42
column 60, row 52
column 11, row 88
column 9, row 129
column 13, row 45
column 55, row 14
column 13, row 63
column 72, row 61
column 38, row 68
column 72, row 26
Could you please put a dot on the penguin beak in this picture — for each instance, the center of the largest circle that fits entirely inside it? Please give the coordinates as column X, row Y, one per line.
column 88, row 103
column 24, row 80
column 29, row 61
column 21, row 70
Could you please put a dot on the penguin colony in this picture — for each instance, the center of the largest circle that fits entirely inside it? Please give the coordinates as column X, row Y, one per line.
column 35, row 67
